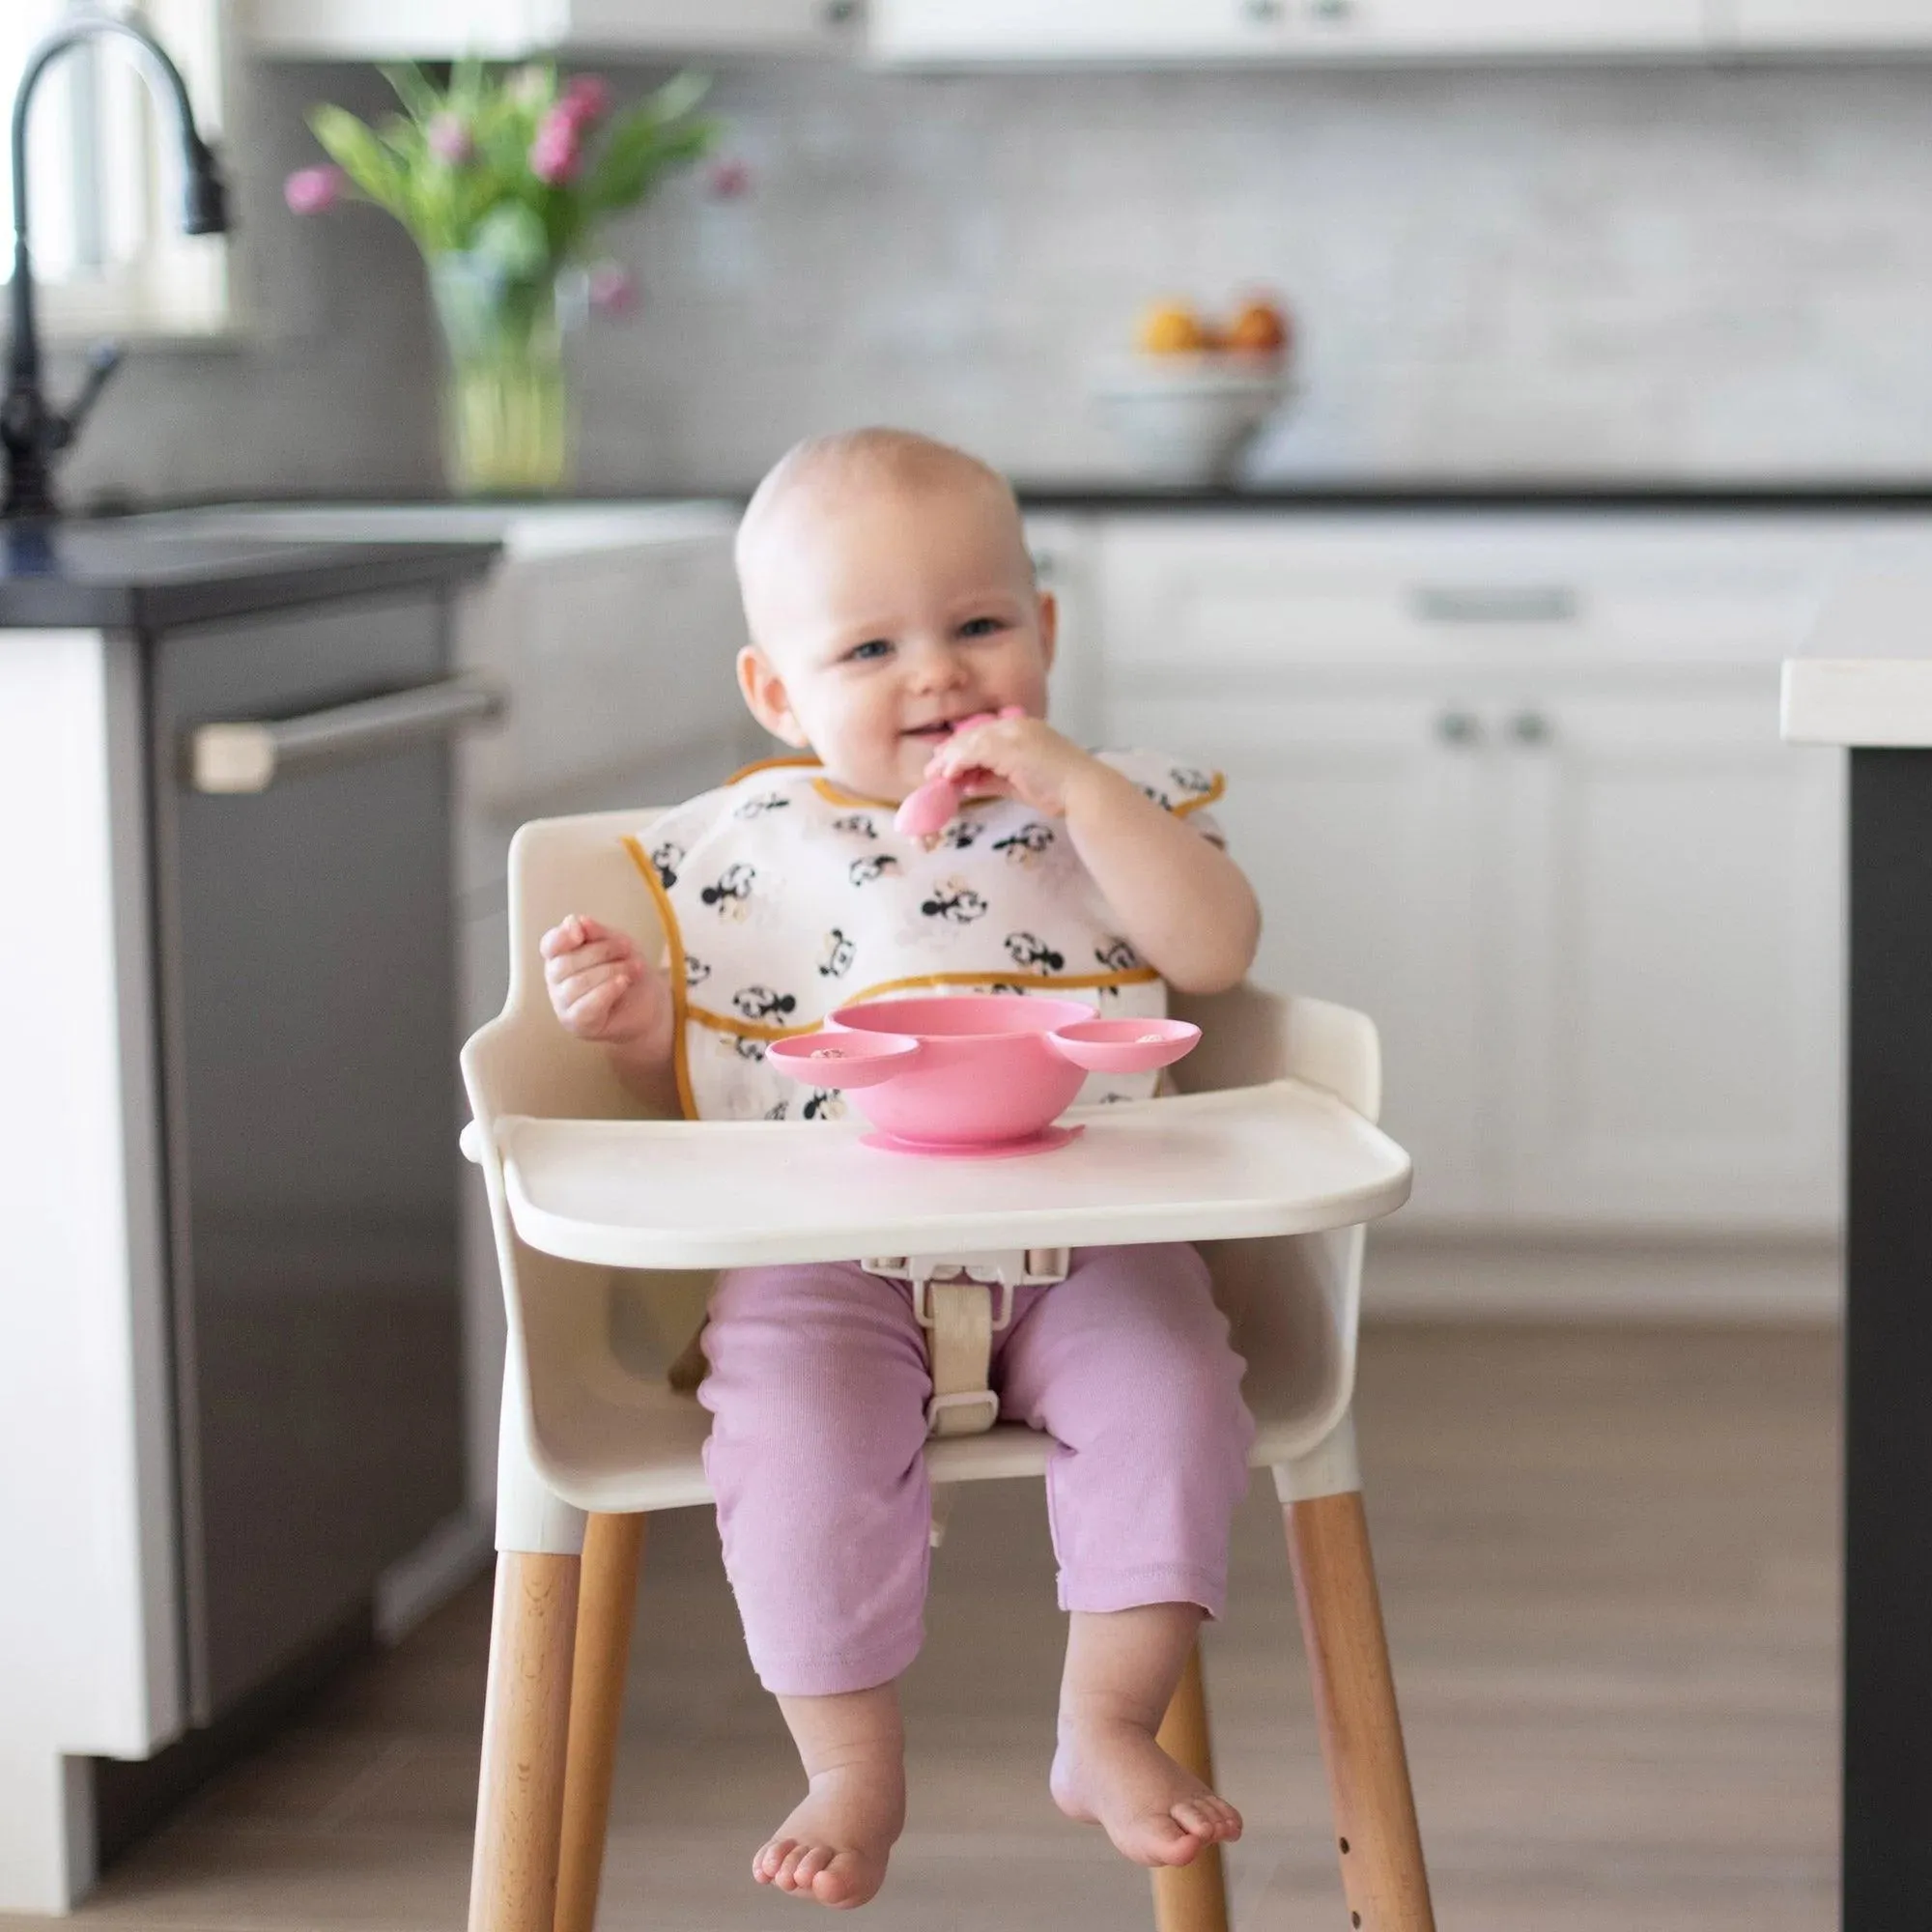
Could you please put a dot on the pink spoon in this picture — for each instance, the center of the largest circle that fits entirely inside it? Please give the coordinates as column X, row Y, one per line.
column 936, row 803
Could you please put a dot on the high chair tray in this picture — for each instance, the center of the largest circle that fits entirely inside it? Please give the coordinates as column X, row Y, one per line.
column 1284, row 1158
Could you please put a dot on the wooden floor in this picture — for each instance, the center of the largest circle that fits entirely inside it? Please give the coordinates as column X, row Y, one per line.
column 1609, row 1565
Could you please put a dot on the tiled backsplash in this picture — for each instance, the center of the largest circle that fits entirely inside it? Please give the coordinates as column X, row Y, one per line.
column 1672, row 273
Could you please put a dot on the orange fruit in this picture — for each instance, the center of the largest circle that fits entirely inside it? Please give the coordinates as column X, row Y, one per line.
column 1259, row 328
column 1171, row 329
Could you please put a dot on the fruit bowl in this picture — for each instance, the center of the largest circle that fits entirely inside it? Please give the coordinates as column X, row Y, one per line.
column 1187, row 418
column 982, row 1074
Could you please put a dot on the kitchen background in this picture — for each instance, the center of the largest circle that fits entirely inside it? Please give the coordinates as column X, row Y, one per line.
column 1503, row 757
column 1647, row 272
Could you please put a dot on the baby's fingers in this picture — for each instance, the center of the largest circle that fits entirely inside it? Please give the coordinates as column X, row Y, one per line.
column 587, row 998
column 563, row 966
column 575, row 931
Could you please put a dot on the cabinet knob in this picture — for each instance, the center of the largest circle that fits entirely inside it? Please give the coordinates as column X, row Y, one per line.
column 837, row 13
column 1264, row 12
column 1332, row 12
column 1531, row 727
column 1459, row 728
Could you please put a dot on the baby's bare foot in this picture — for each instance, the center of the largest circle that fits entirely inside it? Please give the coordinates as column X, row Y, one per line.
column 833, row 1846
column 1111, row 1773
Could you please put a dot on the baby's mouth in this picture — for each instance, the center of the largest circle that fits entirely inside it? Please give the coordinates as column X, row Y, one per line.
column 934, row 732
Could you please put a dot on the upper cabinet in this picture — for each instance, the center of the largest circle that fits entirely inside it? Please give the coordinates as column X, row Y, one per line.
column 1091, row 32
column 510, row 29
column 964, row 32
column 1847, row 25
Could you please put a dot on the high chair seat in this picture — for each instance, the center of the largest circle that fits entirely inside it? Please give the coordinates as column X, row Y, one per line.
column 609, row 1228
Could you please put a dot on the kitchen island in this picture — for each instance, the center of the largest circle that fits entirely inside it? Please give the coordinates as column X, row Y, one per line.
column 1864, row 682
column 230, row 1359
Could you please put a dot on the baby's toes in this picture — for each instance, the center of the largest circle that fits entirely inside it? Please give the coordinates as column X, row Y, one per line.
column 842, row 1882
column 785, row 1878
column 765, row 1862
column 1208, row 1818
column 817, row 1857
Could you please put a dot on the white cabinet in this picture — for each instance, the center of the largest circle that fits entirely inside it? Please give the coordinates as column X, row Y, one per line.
column 1822, row 24
column 1514, row 785
column 1667, row 957
column 1359, row 819
column 965, row 32
column 510, row 29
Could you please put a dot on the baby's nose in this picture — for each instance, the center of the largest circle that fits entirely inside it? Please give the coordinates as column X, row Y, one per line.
column 938, row 670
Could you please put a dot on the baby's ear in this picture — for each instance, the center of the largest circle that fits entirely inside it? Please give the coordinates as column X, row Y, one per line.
column 1048, row 612
column 766, row 698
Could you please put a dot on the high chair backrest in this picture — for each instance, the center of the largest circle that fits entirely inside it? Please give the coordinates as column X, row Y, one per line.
column 524, row 1059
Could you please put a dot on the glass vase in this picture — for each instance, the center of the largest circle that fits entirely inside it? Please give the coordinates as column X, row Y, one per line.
column 505, row 402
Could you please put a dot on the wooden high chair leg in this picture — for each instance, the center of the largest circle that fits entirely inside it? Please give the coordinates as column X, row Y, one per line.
column 1190, row 1898
column 1380, row 1848
column 525, row 1724
column 607, row 1604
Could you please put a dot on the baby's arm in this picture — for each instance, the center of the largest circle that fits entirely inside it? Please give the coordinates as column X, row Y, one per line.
column 603, row 989
column 1183, row 904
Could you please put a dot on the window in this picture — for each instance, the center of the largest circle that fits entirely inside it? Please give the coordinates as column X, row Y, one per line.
column 104, row 174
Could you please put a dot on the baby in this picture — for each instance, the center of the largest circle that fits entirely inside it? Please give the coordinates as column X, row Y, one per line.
column 889, row 597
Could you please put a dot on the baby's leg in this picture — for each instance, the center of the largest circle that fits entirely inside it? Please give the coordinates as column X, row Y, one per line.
column 817, row 1389
column 1126, row 1363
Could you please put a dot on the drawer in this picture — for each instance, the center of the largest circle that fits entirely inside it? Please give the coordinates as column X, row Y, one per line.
column 1248, row 596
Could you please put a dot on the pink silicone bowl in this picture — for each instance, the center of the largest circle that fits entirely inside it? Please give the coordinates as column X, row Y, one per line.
column 973, row 1072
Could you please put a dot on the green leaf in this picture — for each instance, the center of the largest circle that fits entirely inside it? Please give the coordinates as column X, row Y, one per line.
column 678, row 96
column 641, row 148
column 414, row 89
column 356, row 149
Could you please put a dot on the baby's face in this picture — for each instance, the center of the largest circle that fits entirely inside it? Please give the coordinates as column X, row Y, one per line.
column 882, row 615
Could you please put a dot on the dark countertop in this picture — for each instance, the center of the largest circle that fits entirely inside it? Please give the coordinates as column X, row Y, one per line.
column 83, row 575
column 1423, row 493
column 1553, row 493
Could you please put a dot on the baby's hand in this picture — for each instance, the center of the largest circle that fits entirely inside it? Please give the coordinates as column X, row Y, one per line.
column 1026, row 756
column 600, row 987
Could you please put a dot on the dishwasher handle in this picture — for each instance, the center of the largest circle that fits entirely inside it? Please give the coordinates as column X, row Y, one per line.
column 250, row 758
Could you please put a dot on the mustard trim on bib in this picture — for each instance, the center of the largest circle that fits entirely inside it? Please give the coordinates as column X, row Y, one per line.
column 793, row 761
column 1207, row 798
column 729, row 1023
column 674, row 945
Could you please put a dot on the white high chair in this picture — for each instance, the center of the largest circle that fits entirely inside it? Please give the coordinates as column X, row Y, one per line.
column 1269, row 1157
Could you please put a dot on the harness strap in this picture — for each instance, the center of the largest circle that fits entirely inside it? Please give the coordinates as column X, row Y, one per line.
column 953, row 1300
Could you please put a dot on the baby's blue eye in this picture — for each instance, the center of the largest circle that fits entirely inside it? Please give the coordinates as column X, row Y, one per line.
column 980, row 627
column 872, row 648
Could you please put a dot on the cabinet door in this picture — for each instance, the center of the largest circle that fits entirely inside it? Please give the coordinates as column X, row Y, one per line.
column 379, row 28
column 1823, row 23
column 705, row 26
column 1285, row 30
column 1505, row 27
column 1355, row 818
column 1671, row 931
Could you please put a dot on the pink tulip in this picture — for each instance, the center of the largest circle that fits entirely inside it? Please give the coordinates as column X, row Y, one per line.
column 312, row 191
column 450, row 140
column 613, row 289
column 557, row 152
column 729, row 180
column 586, row 99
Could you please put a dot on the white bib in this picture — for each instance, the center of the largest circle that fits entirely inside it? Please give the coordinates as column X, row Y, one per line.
column 782, row 898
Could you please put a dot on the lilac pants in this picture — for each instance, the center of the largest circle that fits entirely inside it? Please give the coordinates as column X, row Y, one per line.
column 818, row 1385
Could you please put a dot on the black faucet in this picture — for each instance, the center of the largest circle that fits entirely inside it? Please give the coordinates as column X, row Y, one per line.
column 32, row 433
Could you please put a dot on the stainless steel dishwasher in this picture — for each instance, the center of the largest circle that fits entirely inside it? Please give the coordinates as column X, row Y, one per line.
column 301, row 783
